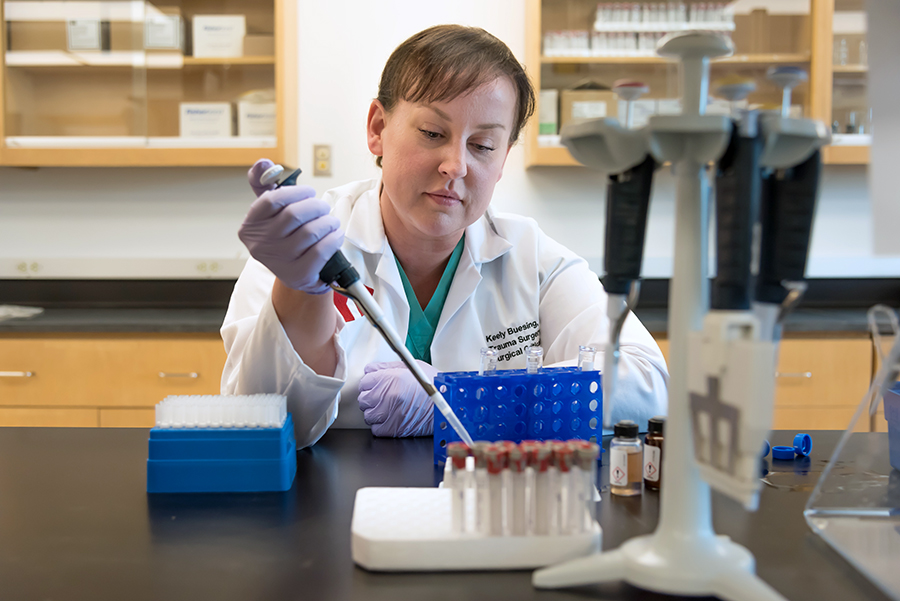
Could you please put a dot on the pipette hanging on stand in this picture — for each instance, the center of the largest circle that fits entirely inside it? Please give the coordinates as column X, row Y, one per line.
column 684, row 556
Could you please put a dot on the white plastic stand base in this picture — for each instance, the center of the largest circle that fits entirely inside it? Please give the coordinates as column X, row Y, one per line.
column 710, row 565
column 409, row 529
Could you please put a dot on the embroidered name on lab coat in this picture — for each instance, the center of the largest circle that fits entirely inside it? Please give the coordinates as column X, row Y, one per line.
column 512, row 341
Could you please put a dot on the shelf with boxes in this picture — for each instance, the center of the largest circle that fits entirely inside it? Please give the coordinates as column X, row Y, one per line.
column 128, row 83
column 566, row 48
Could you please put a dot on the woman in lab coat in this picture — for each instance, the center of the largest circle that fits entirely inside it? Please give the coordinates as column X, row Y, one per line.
column 451, row 275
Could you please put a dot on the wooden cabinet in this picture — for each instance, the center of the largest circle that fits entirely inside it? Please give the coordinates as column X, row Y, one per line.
column 108, row 380
column 120, row 98
column 819, row 382
column 571, row 43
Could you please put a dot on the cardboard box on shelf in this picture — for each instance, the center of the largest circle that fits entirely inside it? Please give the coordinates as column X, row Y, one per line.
column 54, row 35
column 259, row 45
column 36, row 35
column 205, row 119
column 582, row 105
column 218, row 36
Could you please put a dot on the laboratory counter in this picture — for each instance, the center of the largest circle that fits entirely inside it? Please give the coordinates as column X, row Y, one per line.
column 77, row 524
column 208, row 320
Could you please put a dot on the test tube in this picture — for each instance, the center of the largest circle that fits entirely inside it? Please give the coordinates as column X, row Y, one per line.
column 515, row 504
column 562, row 454
column 542, row 489
column 489, row 358
column 586, row 454
column 553, row 489
column 529, row 454
column 496, row 464
column 457, row 452
column 534, row 359
column 482, row 502
column 586, row 355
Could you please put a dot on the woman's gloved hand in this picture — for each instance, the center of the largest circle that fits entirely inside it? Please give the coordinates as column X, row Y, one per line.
column 291, row 232
column 392, row 401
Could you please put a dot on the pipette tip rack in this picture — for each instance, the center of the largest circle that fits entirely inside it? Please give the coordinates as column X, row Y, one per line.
column 252, row 453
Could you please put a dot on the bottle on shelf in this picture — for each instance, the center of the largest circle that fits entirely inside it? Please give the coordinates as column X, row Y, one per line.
column 841, row 53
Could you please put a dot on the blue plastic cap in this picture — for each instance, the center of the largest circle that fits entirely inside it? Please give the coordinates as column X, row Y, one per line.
column 783, row 453
column 765, row 449
column 803, row 444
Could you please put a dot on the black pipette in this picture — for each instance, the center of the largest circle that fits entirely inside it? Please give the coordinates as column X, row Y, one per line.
column 344, row 279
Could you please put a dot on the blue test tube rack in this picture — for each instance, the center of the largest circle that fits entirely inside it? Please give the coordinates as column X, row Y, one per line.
column 557, row 403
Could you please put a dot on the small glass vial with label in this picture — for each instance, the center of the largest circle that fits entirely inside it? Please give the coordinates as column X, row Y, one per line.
column 653, row 450
column 625, row 460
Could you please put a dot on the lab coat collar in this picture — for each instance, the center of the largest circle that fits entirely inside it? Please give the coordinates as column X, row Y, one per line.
column 365, row 230
column 484, row 241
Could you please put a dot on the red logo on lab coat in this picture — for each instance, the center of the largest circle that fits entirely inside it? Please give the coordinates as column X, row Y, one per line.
column 346, row 307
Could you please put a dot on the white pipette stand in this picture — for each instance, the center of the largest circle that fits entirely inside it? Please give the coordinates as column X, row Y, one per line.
column 683, row 556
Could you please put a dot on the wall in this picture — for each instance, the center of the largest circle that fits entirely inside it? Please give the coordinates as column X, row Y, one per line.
column 122, row 223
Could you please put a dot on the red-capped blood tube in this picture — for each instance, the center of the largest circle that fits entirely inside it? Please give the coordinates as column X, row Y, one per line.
column 562, row 454
column 542, row 491
column 482, row 507
column 516, row 500
column 496, row 464
column 457, row 452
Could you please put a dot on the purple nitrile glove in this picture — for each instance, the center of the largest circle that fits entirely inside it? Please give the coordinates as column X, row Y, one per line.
column 255, row 172
column 393, row 402
column 291, row 232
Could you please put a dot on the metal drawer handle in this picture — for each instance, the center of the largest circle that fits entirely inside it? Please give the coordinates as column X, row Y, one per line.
column 16, row 374
column 190, row 374
column 802, row 374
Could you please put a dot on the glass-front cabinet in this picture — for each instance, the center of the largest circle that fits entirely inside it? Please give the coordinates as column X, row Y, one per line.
column 851, row 118
column 578, row 49
column 129, row 82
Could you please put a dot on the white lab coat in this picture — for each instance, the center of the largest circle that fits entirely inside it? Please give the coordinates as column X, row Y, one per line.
column 513, row 285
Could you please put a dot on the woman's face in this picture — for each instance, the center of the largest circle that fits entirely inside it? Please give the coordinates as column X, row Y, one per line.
column 441, row 160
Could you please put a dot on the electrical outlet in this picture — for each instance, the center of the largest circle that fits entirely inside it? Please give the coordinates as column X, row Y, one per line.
column 322, row 160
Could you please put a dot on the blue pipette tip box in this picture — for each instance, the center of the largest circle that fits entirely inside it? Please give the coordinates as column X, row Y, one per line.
column 557, row 403
column 184, row 460
column 892, row 415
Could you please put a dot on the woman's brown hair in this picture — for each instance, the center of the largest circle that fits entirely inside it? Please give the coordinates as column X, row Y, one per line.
column 447, row 61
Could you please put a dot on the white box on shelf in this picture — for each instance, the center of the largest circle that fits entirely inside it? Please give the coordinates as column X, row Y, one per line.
column 163, row 32
column 642, row 110
column 219, row 36
column 548, row 112
column 256, row 118
column 205, row 120
column 83, row 34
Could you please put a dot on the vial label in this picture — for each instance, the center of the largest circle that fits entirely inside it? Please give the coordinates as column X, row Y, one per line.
column 651, row 463
column 618, row 468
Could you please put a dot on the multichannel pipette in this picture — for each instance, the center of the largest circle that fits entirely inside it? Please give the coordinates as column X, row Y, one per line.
column 344, row 279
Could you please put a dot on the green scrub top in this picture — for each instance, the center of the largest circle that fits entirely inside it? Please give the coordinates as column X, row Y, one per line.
column 422, row 324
